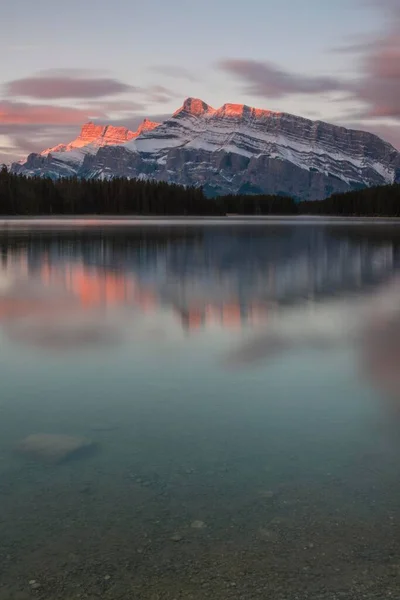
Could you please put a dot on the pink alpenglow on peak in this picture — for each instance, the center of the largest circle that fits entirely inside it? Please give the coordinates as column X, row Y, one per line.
column 244, row 111
column 195, row 107
column 98, row 135
column 199, row 108
column 232, row 110
column 146, row 125
column 102, row 135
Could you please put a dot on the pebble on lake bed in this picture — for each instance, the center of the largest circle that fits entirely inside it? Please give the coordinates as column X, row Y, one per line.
column 198, row 525
column 52, row 448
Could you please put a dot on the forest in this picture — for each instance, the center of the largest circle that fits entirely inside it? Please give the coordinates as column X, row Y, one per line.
column 382, row 201
column 28, row 196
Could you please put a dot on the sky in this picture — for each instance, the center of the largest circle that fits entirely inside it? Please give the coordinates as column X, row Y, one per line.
column 117, row 61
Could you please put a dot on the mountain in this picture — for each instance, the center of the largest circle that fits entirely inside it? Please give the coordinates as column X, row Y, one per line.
column 232, row 149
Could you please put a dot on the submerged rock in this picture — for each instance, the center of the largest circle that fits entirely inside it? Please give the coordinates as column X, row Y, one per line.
column 198, row 525
column 34, row 584
column 53, row 448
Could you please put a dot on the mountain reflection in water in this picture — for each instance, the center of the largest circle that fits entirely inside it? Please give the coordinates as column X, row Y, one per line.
column 204, row 277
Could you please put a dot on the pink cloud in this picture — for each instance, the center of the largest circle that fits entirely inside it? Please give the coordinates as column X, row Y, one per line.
column 380, row 86
column 20, row 113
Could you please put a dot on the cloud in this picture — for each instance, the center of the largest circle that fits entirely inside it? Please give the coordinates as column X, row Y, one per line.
column 21, row 113
column 173, row 71
column 160, row 94
column 59, row 85
column 379, row 88
column 268, row 80
column 82, row 85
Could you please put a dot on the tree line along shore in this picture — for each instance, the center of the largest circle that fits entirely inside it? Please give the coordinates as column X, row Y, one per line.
column 28, row 196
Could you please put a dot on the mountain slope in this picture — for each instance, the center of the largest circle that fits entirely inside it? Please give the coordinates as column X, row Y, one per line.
column 232, row 149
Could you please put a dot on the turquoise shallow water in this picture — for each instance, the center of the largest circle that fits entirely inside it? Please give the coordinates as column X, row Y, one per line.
column 240, row 387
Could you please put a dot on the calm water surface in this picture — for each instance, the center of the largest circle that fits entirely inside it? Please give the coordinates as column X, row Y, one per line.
column 241, row 386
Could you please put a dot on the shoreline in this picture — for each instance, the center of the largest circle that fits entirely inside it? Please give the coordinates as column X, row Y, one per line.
column 109, row 220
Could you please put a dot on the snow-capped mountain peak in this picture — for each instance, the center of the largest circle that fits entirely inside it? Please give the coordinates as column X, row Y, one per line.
column 232, row 149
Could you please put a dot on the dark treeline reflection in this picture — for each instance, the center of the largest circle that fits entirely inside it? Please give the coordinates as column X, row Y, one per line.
column 20, row 195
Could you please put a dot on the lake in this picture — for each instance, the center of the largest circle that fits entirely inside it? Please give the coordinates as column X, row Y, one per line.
column 232, row 388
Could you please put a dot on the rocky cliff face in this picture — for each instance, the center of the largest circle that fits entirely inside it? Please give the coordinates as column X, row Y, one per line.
column 233, row 149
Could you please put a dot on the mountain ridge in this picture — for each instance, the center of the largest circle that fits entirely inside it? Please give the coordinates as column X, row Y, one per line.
column 232, row 149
